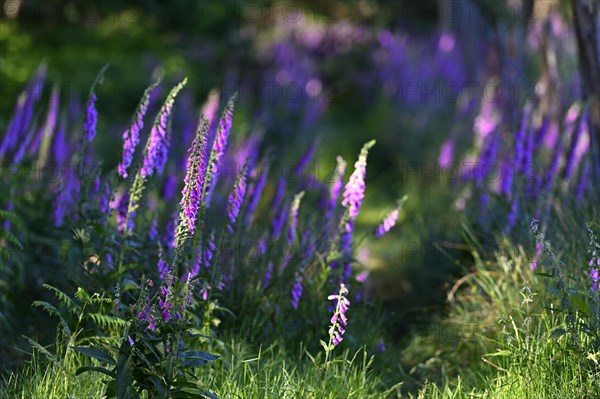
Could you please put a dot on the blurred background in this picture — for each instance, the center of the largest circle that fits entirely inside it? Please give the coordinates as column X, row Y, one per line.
column 414, row 75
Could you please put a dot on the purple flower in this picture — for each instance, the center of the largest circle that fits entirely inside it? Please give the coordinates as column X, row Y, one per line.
column 297, row 292
column 236, row 198
column 162, row 267
column 255, row 197
column 268, row 275
column 209, row 251
column 65, row 200
column 131, row 136
column 122, row 216
column 446, row 154
column 23, row 112
column 91, row 117
column 156, row 148
column 218, row 149
column 153, row 231
column 279, row 194
column 91, row 114
column 339, row 319
column 278, row 222
column 390, row 220
column 336, row 186
column 130, row 340
column 595, row 276
column 584, row 179
column 190, row 195
column 572, row 156
column 354, row 191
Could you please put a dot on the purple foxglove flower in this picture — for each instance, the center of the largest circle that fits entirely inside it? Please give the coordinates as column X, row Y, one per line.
column 162, row 267
column 339, row 319
column 190, row 195
column 218, row 149
column 293, row 217
column 153, row 231
column 552, row 170
column 279, row 194
column 354, row 191
column 297, row 292
column 105, row 198
column 390, row 220
column 23, row 113
column 595, row 276
column 66, row 199
column 511, row 218
column 278, row 222
column 268, row 276
column 256, row 194
column 305, row 159
column 10, row 206
column 209, row 251
column 236, row 198
column 446, row 154
column 584, row 179
column 91, row 114
column 520, row 140
column 122, row 207
column 336, row 186
column 572, row 156
column 168, row 236
column 60, row 146
column 131, row 136
column 157, row 145
column 130, row 340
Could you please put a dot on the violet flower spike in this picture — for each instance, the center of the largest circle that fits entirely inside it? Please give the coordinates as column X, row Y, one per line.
column 236, row 198
column 91, row 114
column 131, row 136
column 157, row 144
column 256, row 193
column 218, row 149
column 354, row 191
column 297, row 292
column 390, row 220
column 190, row 195
column 336, row 186
column 339, row 319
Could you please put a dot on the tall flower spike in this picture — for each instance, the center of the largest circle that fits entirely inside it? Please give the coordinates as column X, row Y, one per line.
column 190, row 195
column 259, row 187
column 218, row 149
column 336, row 186
column 23, row 113
column 339, row 319
column 236, row 198
column 297, row 292
column 91, row 114
column 293, row 217
column 390, row 220
column 157, row 144
column 355, row 188
column 131, row 136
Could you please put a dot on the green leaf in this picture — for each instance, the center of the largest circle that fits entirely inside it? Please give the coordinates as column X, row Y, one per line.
column 557, row 333
column 504, row 352
column 124, row 377
column 196, row 358
column 157, row 386
column 84, row 369
column 324, row 345
column 98, row 354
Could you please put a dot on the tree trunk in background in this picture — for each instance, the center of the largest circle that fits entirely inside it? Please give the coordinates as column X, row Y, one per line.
column 587, row 27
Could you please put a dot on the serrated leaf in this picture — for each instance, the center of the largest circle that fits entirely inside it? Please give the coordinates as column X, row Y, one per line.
column 97, row 354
